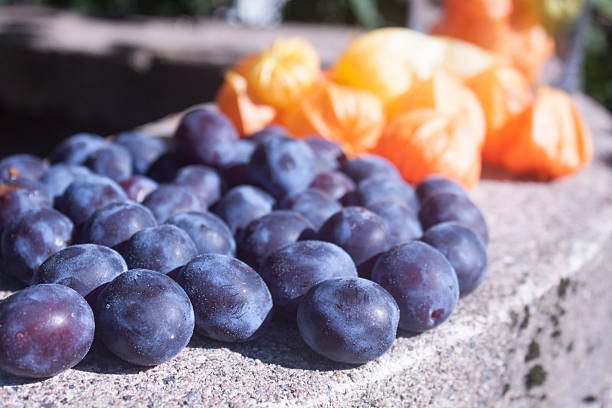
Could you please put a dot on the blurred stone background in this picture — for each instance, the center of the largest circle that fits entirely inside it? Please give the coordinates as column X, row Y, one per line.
column 108, row 65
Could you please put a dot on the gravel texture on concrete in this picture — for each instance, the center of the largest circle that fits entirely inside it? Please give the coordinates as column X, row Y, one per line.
column 533, row 333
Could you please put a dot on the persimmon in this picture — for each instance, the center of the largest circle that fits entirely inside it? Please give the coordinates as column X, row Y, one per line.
column 283, row 73
column 352, row 117
column 503, row 92
column 549, row 138
column 447, row 94
column 387, row 61
column 423, row 142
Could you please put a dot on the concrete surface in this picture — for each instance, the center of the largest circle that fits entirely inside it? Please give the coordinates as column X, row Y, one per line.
column 536, row 333
column 150, row 66
column 51, row 63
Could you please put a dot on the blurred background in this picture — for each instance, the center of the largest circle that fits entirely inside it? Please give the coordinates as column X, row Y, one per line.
column 108, row 65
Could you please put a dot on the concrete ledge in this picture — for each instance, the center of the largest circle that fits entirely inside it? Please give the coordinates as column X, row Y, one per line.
column 150, row 66
column 535, row 334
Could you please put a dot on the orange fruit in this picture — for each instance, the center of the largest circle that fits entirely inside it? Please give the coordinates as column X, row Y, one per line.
column 483, row 9
column 244, row 65
column 481, row 22
column 426, row 141
column 352, row 117
column 529, row 49
column 494, row 25
column 549, row 138
column 552, row 14
column 387, row 61
column 503, row 92
column 283, row 73
column 445, row 93
column 234, row 100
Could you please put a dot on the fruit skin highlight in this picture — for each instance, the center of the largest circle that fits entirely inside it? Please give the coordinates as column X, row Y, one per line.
column 292, row 270
column 144, row 317
column 503, row 93
column 422, row 282
column 235, row 101
column 44, row 330
column 231, row 302
column 386, row 61
column 424, row 142
column 445, row 93
column 349, row 116
column 283, row 73
column 348, row 320
column 549, row 138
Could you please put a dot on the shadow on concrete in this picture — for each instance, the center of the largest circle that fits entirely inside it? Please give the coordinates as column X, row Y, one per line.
column 7, row 380
column 100, row 360
column 280, row 344
column 490, row 172
column 402, row 334
column 607, row 160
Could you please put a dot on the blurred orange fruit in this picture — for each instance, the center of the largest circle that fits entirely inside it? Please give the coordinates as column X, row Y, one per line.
column 503, row 92
column 487, row 23
column 244, row 65
column 445, row 93
column 234, row 100
column 426, row 141
column 528, row 49
column 283, row 73
column 481, row 22
column 552, row 14
column 483, row 9
column 352, row 117
column 387, row 61
column 549, row 138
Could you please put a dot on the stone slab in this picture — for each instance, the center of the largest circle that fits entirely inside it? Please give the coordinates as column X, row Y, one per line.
column 150, row 66
column 536, row 333
column 52, row 63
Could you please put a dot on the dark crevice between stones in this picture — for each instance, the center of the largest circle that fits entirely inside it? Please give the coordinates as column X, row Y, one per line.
column 525, row 321
column 562, row 289
column 535, row 377
column 533, row 351
column 555, row 320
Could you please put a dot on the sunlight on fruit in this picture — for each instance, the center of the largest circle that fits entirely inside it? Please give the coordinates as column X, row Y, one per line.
column 549, row 139
column 529, row 49
column 352, row 117
column 424, row 142
column 503, row 92
column 507, row 29
column 387, row 61
column 284, row 72
column 234, row 101
column 490, row 9
column 444, row 93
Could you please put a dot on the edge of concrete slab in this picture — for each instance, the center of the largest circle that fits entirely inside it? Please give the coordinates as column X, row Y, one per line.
column 541, row 315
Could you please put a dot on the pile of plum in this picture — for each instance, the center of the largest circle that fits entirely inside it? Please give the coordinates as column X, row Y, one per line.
column 142, row 240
